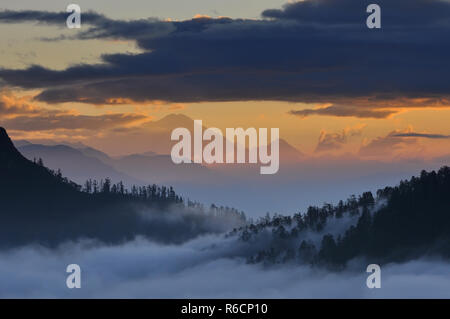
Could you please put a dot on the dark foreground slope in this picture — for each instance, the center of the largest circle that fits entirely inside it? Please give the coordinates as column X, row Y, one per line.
column 414, row 222
column 40, row 206
column 398, row 224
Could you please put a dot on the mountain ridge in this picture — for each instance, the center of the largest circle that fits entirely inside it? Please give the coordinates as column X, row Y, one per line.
column 40, row 206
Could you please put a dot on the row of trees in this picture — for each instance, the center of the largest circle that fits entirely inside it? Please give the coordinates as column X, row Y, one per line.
column 107, row 187
column 315, row 218
column 149, row 193
column 414, row 220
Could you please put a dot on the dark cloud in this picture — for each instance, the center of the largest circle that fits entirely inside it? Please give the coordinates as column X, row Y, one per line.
column 387, row 145
column 311, row 51
column 345, row 111
column 45, row 17
column 56, row 120
column 422, row 135
column 99, row 25
column 332, row 12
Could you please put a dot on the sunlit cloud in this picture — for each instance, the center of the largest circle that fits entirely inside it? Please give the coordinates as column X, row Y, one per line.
column 329, row 141
column 392, row 144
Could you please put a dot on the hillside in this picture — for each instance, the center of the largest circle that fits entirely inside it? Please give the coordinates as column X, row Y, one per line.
column 20, row 177
column 402, row 223
column 78, row 164
column 40, row 206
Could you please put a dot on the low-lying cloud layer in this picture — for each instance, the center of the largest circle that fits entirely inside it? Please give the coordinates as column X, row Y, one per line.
column 208, row 267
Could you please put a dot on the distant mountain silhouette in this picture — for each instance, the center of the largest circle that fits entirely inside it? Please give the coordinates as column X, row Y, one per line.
column 20, row 143
column 153, row 136
column 148, row 153
column 92, row 152
column 40, row 206
column 401, row 223
column 82, row 164
column 157, row 135
column 172, row 121
column 78, row 164
column 161, row 169
column 289, row 153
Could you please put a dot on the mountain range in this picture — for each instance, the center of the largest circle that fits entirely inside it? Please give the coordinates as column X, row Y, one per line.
column 40, row 206
column 302, row 180
column 401, row 223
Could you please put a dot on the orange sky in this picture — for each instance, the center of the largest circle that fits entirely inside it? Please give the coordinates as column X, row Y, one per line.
column 21, row 47
column 303, row 133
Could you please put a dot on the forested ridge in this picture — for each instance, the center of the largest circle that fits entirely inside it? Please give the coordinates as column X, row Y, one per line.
column 41, row 206
column 400, row 223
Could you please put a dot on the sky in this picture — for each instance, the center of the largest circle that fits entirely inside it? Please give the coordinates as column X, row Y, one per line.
column 165, row 9
column 311, row 68
column 364, row 108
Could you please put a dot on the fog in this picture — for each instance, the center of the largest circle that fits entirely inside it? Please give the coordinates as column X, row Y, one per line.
column 207, row 267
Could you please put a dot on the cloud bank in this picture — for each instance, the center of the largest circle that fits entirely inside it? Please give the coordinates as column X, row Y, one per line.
column 208, row 267
column 309, row 51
